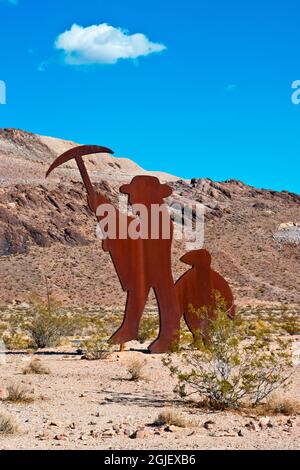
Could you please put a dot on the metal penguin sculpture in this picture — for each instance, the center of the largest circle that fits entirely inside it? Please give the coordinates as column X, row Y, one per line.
column 143, row 263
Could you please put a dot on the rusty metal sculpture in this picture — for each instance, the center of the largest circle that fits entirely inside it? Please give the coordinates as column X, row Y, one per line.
column 202, row 288
column 143, row 263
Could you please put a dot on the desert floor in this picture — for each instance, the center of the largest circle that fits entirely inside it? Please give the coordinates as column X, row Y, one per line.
column 92, row 405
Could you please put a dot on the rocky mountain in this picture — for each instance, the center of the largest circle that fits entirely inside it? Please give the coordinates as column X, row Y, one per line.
column 25, row 156
column 46, row 228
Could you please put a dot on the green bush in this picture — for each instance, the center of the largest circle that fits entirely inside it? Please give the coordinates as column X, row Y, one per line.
column 234, row 366
column 47, row 325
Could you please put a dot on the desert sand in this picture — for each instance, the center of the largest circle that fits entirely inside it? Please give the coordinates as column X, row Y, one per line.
column 92, row 405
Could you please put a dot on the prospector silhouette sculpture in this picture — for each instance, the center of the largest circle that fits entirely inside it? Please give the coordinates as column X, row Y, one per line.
column 145, row 263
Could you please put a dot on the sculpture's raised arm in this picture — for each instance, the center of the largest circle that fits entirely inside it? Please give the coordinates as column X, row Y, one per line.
column 94, row 198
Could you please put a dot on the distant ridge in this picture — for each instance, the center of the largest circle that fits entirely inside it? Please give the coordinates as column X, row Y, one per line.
column 46, row 227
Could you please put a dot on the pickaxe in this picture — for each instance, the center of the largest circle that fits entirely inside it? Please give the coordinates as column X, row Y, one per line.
column 78, row 153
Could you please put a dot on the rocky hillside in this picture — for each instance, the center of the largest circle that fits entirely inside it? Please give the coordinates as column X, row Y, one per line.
column 46, row 228
column 24, row 157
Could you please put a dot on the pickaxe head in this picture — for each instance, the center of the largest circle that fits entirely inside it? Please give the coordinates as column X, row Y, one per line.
column 77, row 153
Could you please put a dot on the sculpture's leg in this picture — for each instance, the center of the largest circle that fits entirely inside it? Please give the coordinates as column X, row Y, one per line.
column 134, row 309
column 169, row 318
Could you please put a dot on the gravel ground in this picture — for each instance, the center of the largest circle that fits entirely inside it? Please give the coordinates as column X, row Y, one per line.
column 92, row 405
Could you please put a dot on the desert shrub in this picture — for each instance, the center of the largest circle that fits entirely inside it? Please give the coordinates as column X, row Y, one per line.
column 260, row 327
column 148, row 328
column 96, row 348
column 233, row 366
column 3, row 328
column 7, row 424
column 36, row 367
column 170, row 417
column 17, row 393
column 47, row 325
column 290, row 324
column 285, row 321
column 12, row 332
column 281, row 405
column 15, row 340
column 135, row 369
column 292, row 328
column 103, row 324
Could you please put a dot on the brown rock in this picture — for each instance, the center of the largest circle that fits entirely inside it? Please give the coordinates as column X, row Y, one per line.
column 251, row 426
column 139, row 434
column 108, row 433
column 265, row 422
column 45, row 435
column 55, row 423
column 171, row 428
column 61, row 437
column 208, row 424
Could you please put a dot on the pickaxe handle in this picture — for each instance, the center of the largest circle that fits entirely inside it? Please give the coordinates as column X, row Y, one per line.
column 77, row 153
column 85, row 176
column 94, row 198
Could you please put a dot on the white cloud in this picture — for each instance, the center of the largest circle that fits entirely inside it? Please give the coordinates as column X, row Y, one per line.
column 103, row 44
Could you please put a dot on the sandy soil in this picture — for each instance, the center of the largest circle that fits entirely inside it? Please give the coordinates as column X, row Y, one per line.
column 92, row 405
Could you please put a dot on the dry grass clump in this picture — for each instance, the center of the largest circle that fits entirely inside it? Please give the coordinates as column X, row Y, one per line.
column 281, row 405
column 135, row 369
column 36, row 367
column 170, row 418
column 96, row 348
column 15, row 341
column 7, row 424
column 17, row 393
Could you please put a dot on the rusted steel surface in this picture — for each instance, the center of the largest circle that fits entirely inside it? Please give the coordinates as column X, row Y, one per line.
column 200, row 288
column 141, row 264
column 144, row 262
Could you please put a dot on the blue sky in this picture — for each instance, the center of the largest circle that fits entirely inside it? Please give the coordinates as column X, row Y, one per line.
column 210, row 97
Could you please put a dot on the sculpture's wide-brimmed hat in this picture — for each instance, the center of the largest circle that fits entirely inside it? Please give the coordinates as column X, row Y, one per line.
column 146, row 185
column 197, row 258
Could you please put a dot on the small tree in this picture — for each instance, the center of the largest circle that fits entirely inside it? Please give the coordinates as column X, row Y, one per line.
column 233, row 366
column 47, row 325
